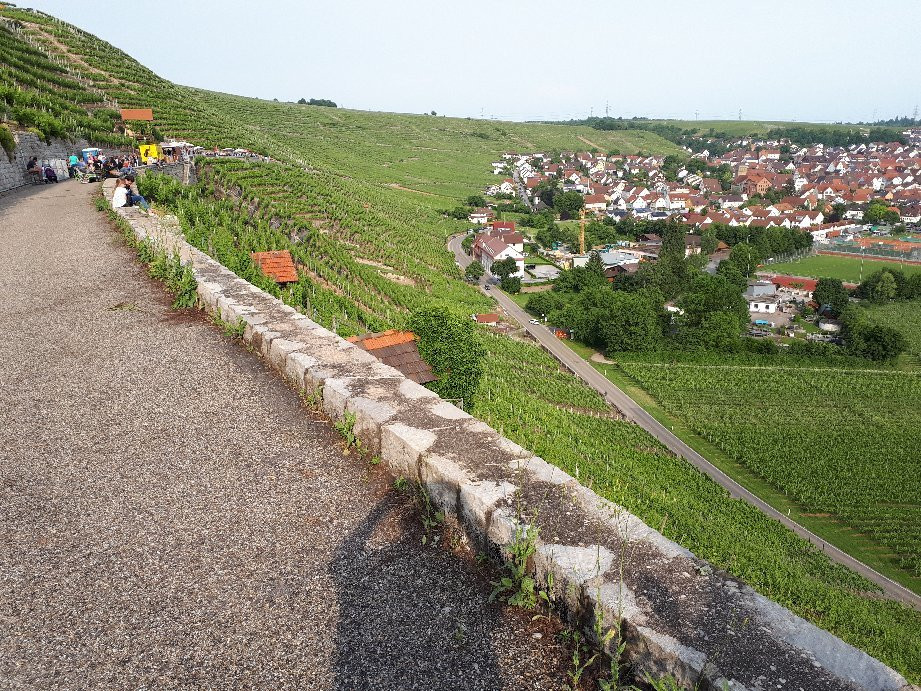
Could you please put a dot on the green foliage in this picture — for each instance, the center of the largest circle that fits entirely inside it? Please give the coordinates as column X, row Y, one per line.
column 503, row 268
column 346, row 427
column 878, row 212
column 178, row 278
column 831, row 292
column 568, row 204
column 7, row 142
column 451, row 345
column 516, row 587
column 511, row 284
column 745, row 257
column 869, row 340
column 474, row 271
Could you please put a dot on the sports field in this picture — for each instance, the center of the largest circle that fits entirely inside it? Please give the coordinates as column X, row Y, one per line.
column 829, row 266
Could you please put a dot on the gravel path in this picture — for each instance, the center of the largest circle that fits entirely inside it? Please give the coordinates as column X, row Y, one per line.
column 172, row 516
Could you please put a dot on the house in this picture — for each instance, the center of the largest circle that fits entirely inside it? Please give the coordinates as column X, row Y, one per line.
column 794, row 285
column 595, row 203
column 493, row 249
column 507, row 186
column 612, row 272
column 277, row 265
column 762, row 305
column 481, row 216
column 691, row 244
column 397, row 349
column 490, row 318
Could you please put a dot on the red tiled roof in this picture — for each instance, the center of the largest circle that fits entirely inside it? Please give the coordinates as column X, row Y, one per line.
column 807, row 284
column 276, row 265
column 137, row 114
column 399, row 350
column 490, row 318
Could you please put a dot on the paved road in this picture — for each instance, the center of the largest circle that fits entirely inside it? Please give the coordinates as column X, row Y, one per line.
column 522, row 189
column 171, row 516
column 636, row 413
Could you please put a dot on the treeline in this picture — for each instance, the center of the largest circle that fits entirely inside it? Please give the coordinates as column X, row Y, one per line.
column 834, row 136
column 706, row 313
column 713, row 141
column 317, row 102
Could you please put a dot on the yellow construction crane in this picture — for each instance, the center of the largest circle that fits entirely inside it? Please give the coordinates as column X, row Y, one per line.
column 582, row 230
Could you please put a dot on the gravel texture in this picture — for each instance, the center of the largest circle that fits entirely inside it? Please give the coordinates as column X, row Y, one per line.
column 172, row 516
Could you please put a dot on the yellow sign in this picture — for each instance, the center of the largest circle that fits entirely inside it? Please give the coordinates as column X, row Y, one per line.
column 148, row 152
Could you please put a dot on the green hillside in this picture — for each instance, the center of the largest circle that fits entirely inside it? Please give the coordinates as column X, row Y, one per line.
column 62, row 67
column 358, row 199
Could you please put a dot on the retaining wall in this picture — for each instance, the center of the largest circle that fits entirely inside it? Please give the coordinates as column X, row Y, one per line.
column 12, row 173
column 679, row 615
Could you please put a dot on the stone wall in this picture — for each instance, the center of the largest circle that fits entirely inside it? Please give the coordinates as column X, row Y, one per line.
column 679, row 615
column 12, row 173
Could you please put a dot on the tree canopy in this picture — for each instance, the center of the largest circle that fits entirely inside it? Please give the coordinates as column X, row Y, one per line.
column 451, row 345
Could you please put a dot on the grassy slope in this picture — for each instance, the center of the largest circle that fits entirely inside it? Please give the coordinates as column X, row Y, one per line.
column 845, row 268
column 448, row 157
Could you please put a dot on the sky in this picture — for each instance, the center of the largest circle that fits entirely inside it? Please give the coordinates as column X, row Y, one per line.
column 810, row 60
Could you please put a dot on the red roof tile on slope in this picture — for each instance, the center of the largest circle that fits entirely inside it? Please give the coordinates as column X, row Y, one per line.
column 137, row 114
column 398, row 350
column 277, row 265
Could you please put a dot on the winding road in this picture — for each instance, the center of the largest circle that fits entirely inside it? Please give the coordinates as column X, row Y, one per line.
column 637, row 414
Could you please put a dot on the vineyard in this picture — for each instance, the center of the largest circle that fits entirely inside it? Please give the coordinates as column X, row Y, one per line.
column 525, row 396
column 358, row 198
column 846, row 443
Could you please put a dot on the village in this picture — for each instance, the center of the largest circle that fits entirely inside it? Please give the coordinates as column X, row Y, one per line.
column 859, row 201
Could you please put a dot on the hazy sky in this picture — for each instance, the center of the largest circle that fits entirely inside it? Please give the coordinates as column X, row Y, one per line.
column 822, row 60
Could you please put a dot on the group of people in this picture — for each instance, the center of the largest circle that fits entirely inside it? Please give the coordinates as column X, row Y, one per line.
column 101, row 166
column 41, row 172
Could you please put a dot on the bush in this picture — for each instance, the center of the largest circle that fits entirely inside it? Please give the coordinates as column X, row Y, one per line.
column 451, row 345
column 7, row 142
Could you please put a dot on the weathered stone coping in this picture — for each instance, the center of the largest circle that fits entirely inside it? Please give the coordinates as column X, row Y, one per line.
column 679, row 615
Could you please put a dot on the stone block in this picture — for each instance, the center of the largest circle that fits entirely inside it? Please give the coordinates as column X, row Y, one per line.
column 402, row 447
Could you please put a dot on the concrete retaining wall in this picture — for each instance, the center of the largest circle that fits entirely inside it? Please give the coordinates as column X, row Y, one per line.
column 679, row 615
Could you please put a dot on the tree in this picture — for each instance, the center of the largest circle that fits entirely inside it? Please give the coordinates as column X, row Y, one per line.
column 511, row 284
column 745, row 257
column 568, row 204
column 302, row 101
column 474, row 271
column 467, row 244
column 710, row 295
column 504, row 268
column 831, row 292
column 865, row 339
column 633, row 322
column 708, row 242
column 476, row 200
column 450, row 344
column 877, row 212
column 837, row 212
column 886, row 288
column 716, row 331
column 731, row 272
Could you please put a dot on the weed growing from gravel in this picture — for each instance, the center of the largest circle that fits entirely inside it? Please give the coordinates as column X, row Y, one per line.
column 400, row 484
column 580, row 650
column 432, row 520
column 516, row 587
column 346, row 427
column 232, row 330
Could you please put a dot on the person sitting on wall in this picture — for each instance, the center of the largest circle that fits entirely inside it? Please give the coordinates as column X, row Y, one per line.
column 120, row 196
column 134, row 195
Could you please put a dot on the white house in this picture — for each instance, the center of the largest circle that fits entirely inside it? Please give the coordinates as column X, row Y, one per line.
column 494, row 250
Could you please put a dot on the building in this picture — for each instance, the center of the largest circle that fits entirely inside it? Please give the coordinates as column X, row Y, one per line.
column 492, row 249
column 277, row 265
column 399, row 350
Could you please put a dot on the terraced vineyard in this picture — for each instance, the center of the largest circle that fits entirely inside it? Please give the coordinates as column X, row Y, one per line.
column 371, row 251
column 557, row 419
column 846, row 443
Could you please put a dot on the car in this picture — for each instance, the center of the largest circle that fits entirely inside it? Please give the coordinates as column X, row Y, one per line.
column 486, row 287
column 533, row 321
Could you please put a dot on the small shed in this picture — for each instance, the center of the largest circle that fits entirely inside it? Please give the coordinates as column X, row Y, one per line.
column 399, row 350
column 277, row 265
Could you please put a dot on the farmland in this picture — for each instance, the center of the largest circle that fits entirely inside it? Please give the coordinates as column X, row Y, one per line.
column 816, row 434
column 905, row 316
column 844, row 268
